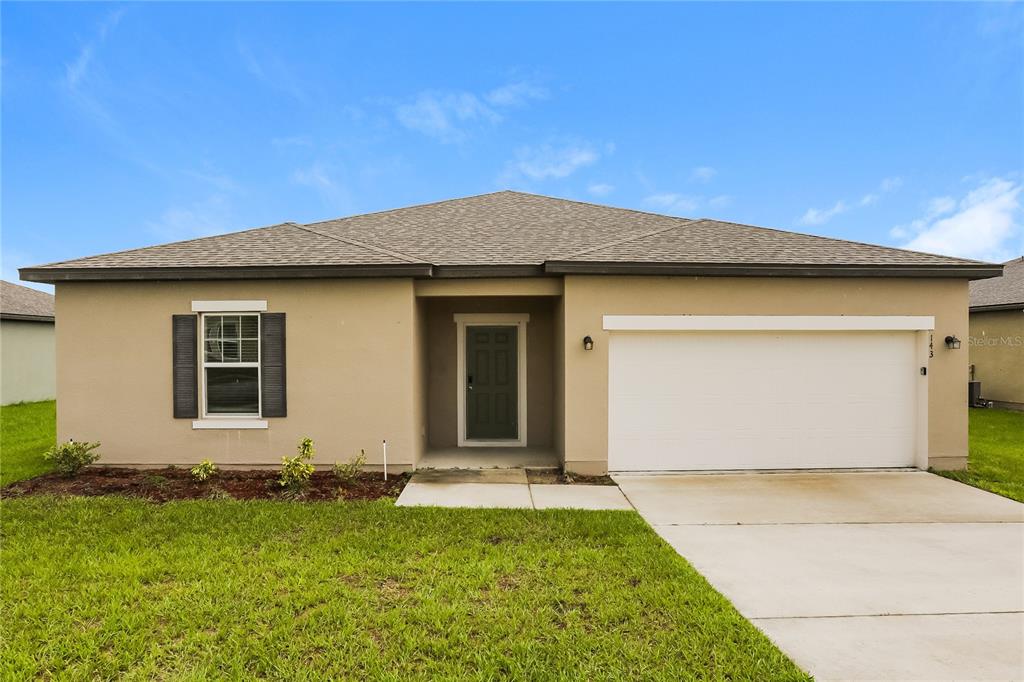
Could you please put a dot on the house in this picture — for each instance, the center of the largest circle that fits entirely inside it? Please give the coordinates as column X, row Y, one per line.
column 997, row 336
column 27, row 345
column 511, row 328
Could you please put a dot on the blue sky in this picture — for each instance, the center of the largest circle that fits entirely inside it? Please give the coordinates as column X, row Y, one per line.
column 132, row 124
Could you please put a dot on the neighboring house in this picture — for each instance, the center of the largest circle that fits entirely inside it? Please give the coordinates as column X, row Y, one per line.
column 519, row 328
column 28, row 353
column 997, row 336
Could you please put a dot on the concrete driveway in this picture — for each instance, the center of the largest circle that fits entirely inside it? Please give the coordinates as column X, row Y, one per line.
column 857, row 576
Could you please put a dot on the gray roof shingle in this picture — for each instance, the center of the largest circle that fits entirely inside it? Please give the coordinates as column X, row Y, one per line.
column 1007, row 290
column 498, row 229
column 21, row 303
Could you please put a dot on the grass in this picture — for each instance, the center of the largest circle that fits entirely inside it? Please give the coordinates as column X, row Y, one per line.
column 111, row 587
column 26, row 431
column 996, row 461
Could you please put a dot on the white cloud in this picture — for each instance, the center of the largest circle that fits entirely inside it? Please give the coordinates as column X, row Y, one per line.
column 984, row 225
column 442, row 115
column 600, row 189
column 720, row 201
column 314, row 176
column 212, row 176
column 211, row 216
column 292, row 141
column 272, row 70
column 703, row 174
column 547, row 161
column 77, row 71
column 815, row 216
column 515, row 94
column 820, row 216
column 939, row 206
column 319, row 176
column 449, row 116
column 891, row 184
column 670, row 201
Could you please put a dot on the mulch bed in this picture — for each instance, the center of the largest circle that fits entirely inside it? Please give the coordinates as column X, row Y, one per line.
column 550, row 476
column 164, row 485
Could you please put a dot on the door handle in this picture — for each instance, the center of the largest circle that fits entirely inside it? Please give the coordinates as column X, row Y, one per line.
column 470, row 379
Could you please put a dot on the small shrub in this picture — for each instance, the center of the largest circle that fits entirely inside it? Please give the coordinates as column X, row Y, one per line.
column 296, row 471
column 218, row 493
column 71, row 457
column 204, row 470
column 346, row 472
column 156, row 481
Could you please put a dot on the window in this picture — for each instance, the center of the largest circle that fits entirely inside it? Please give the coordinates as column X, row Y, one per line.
column 231, row 365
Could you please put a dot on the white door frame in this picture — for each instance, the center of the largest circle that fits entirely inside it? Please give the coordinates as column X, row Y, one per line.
column 518, row 320
column 921, row 325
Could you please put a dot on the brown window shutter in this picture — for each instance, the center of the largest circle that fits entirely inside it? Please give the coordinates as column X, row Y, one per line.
column 185, row 353
column 272, row 362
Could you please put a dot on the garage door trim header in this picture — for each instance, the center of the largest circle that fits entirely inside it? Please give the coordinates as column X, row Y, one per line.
column 768, row 323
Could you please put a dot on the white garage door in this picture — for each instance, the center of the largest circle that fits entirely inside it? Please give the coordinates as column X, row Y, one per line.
column 696, row 400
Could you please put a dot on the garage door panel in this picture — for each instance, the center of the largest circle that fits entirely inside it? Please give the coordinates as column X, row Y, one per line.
column 761, row 400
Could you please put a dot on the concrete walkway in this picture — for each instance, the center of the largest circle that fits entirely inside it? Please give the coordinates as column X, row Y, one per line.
column 857, row 576
column 504, row 489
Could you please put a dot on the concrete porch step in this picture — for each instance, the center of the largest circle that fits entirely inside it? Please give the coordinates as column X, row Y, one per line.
column 504, row 489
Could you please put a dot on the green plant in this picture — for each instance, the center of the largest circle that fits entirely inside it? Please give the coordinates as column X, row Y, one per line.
column 156, row 481
column 218, row 493
column 346, row 472
column 296, row 471
column 204, row 470
column 71, row 457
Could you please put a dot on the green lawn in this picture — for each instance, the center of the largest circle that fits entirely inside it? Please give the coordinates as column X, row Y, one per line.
column 26, row 431
column 110, row 587
column 996, row 461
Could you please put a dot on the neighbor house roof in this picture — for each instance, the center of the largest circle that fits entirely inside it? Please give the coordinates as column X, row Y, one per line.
column 507, row 233
column 1000, row 293
column 21, row 303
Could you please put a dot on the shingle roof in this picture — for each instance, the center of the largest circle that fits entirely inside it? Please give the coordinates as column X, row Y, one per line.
column 21, row 303
column 499, row 230
column 1007, row 290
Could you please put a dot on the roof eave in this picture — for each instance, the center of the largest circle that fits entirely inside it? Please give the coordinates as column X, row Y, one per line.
column 958, row 271
column 480, row 271
column 996, row 307
column 53, row 275
column 22, row 317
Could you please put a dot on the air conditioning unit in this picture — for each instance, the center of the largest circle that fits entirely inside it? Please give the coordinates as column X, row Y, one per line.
column 974, row 398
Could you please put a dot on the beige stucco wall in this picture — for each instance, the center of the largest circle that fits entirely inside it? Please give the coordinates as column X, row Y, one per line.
column 558, row 369
column 996, row 345
column 442, row 382
column 374, row 359
column 588, row 298
column 28, row 358
column 351, row 363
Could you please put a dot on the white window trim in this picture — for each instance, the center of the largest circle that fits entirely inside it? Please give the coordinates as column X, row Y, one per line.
column 229, row 306
column 462, row 322
column 768, row 323
column 229, row 421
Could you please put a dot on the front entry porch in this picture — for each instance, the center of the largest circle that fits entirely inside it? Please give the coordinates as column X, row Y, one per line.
column 489, row 382
column 490, row 458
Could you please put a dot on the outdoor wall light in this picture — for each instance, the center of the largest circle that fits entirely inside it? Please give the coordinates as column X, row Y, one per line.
column 952, row 342
column 588, row 343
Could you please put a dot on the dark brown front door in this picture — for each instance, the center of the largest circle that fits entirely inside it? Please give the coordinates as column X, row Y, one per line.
column 492, row 383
